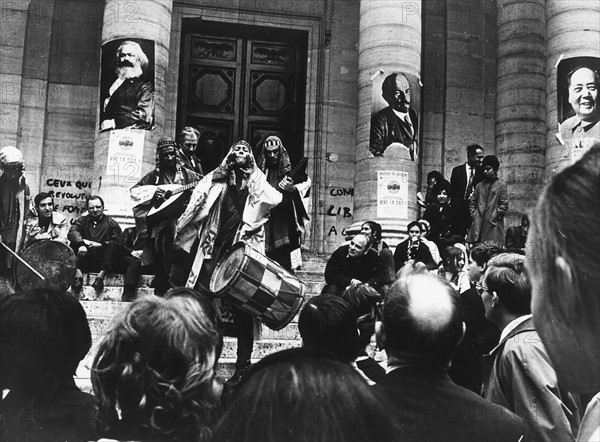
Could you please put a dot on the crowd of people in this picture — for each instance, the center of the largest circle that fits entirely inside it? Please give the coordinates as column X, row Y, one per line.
column 511, row 354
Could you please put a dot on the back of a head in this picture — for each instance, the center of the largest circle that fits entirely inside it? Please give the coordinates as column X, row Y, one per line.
column 44, row 335
column 361, row 298
column 304, row 395
column 507, row 278
column 484, row 251
column 421, row 318
column 329, row 323
column 157, row 366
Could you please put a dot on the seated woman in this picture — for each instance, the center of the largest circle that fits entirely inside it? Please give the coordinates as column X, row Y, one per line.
column 302, row 394
column 453, row 269
column 439, row 215
column 413, row 248
column 154, row 373
column 43, row 337
column 372, row 230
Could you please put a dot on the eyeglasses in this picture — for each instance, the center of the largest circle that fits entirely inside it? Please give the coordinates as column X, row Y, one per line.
column 481, row 288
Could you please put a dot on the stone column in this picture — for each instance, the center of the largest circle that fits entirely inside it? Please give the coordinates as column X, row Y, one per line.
column 150, row 19
column 521, row 101
column 389, row 41
column 572, row 30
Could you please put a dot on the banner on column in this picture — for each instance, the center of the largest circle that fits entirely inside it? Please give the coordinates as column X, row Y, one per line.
column 125, row 151
column 577, row 98
column 392, row 194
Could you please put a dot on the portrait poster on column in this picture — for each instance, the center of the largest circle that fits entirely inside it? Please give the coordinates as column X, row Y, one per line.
column 395, row 109
column 127, row 84
column 392, row 194
column 577, row 102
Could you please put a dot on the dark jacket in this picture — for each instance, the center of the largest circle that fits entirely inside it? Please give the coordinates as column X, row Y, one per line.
column 387, row 128
column 132, row 104
column 461, row 217
column 430, row 407
column 107, row 229
column 419, row 254
column 341, row 269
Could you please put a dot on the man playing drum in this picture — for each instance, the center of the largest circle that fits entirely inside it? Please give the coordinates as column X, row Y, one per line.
column 230, row 204
column 43, row 222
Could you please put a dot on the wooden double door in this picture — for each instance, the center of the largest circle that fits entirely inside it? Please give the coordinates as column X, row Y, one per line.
column 243, row 82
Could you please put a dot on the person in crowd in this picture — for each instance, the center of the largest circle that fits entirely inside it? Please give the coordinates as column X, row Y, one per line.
column 433, row 178
column 563, row 259
column 129, row 101
column 433, row 248
column 187, row 141
column 170, row 264
column 582, row 128
column 481, row 335
column 43, row 223
column 440, row 215
column 154, row 372
column 396, row 123
column 519, row 375
column 452, row 269
column 304, row 394
column 288, row 219
column 420, row 331
column 43, row 335
column 364, row 302
column 488, row 205
column 14, row 204
column 463, row 180
column 372, row 230
column 413, row 248
column 130, row 262
column 96, row 240
column 210, row 150
column 230, row 204
column 352, row 264
column 516, row 236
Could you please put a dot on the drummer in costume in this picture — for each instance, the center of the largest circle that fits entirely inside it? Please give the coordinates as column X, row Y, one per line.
column 43, row 223
column 230, row 204
column 158, row 248
column 14, row 205
column 287, row 220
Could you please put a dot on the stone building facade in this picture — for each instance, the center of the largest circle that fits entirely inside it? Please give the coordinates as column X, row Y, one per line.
column 485, row 72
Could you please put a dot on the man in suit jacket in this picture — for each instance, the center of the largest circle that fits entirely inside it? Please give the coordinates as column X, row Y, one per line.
column 396, row 123
column 420, row 331
column 130, row 99
column 463, row 180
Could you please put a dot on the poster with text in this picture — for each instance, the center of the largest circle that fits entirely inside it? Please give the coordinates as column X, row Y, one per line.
column 392, row 194
column 125, row 150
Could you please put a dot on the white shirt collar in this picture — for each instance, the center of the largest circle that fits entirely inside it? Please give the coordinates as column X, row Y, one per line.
column 401, row 115
column 512, row 325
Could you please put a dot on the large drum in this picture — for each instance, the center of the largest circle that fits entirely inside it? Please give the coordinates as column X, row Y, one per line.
column 258, row 285
column 54, row 260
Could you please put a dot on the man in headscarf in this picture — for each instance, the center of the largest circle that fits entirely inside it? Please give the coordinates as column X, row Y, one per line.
column 14, row 205
column 148, row 193
column 287, row 220
column 230, row 204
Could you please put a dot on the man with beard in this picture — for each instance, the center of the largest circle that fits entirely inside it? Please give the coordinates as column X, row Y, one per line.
column 43, row 222
column 96, row 240
column 14, row 204
column 397, row 123
column 230, row 204
column 158, row 248
column 187, row 140
column 582, row 129
column 287, row 220
column 130, row 99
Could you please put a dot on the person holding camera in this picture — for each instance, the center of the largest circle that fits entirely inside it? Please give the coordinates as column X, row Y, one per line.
column 412, row 248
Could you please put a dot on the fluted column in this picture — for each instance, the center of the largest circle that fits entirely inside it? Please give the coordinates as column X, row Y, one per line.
column 389, row 42
column 572, row 30
column 521, row 100
column 150, row 20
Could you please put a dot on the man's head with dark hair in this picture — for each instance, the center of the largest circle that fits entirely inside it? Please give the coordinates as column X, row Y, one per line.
column 396, row 91
column 329, row 323
column 44, row 205
column 506, row 291
column 421, row 320
column 95, row 207
column 583, row 93
column 474, row 155
column 479, row 257
column 372, row 230
column 44, row 335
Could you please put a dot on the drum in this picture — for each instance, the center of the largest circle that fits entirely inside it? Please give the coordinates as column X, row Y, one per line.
column 258, row 285
column 54, row 260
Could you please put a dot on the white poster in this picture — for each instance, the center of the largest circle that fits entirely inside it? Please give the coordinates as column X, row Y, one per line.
column 392, row 194
column 125, row 150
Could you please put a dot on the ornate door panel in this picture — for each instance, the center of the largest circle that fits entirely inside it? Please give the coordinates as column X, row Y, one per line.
column 245, row 82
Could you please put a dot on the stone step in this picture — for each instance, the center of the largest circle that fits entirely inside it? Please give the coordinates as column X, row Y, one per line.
column 313, row 263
